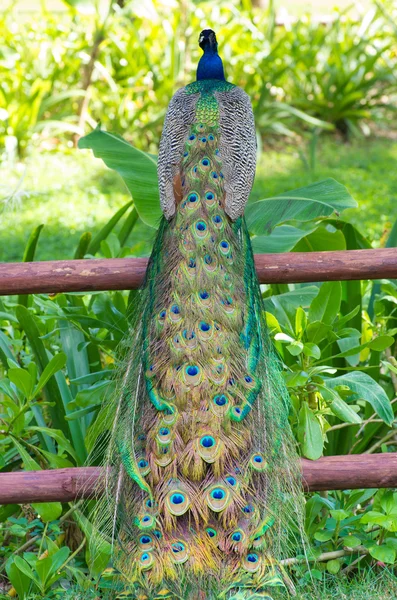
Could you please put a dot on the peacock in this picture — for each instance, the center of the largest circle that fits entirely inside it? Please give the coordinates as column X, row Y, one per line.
column 202, row 481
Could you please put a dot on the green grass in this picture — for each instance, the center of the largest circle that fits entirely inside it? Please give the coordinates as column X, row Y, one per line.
column 73, row 192
column 364, row 585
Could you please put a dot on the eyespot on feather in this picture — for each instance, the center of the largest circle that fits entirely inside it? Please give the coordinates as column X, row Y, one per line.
column 177, row 502
column 145, row 522
column 145, row 542
column 191, row 375
column 210, row 199
column 143, row 466
column 200, row 229
column 179, row 553
column 146, row 561
column 209, row 448
column 218, row 497
column 258, row 462
column 251, row 562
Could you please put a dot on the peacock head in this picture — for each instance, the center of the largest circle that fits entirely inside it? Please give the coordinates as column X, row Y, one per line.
column 207, row 41
column 210, row 65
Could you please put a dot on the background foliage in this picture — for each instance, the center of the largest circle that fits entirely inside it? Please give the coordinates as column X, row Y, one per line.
column 316, row 91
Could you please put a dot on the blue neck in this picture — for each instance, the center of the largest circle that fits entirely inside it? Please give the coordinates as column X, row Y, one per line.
column 210, row 66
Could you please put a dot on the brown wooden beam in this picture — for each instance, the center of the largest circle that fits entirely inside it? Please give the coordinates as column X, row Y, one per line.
column 128, row 273
column 328, row 473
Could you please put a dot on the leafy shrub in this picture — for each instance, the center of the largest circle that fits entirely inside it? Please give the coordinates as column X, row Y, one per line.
column 122, row 65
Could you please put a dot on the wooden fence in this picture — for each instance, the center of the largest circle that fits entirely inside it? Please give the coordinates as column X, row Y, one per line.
column 331, row 472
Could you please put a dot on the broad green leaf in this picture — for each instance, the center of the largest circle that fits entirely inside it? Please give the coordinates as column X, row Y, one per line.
column 344, row 412
column 283, row 306
column 323, row 238
column 48, row 511
column 388, row 502
column 333, row 566
column 326, row 304
column 368, row 389
column 310, row 349
column 351, row 541
column 309, row 433
column 323, row 536
column 295, row 348
column 317, row 331
column 22, row 379
column 339, row 514
column 384, row 553
column 26, row 569
column 138, row 170
column 19, row 579
column 317, row 200
column 52, row 563
column 281, row 239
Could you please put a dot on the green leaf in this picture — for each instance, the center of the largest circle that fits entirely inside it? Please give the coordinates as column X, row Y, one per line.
column 26, row 569
column 351, row 541
column 310, row 349
column 384, row 553
column 317, row 200
column 29, row 463
column 19, row 579
column 388, row 502
column 309, row 433
column 128, row 226
column 56, row 363
column 368, row 389
column 22, row 379
column 106, row 230
column 48, row 511
column 5, row 349
column 300, row 321
column 295, row 348
column 83, row 246
column 46, row 567
column 58, row 436
column 339, row 514
column 344, row 412
column 317, row 331
column 333, row 566
column 52, row 392
column 323, row 536
column 281, row 239
column 28, row 256
column 137, row 168
column 326, row 304
column 325, row 237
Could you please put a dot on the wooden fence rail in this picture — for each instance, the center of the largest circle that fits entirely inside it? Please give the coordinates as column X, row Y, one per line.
column 128, row 273
column 327, row 473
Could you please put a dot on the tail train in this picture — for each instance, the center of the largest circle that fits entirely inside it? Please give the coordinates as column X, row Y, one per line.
column 203, row 497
